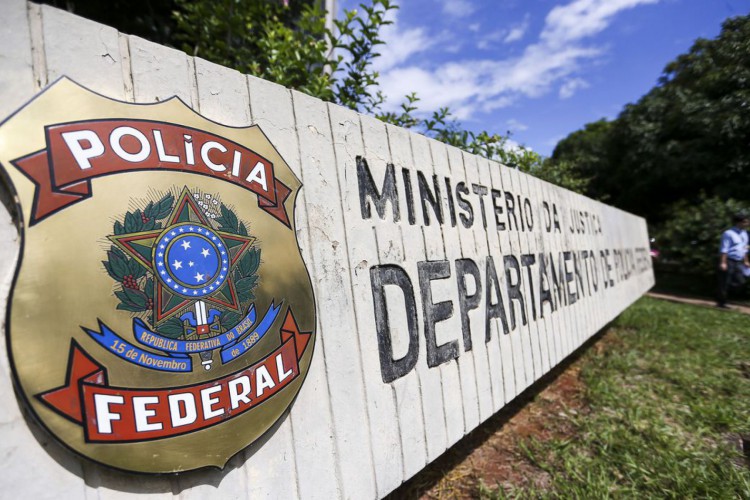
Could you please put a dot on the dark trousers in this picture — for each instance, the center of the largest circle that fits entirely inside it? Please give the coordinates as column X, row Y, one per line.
column 731, row 278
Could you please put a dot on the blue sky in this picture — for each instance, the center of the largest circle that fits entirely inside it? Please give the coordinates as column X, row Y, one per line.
column 539, row 68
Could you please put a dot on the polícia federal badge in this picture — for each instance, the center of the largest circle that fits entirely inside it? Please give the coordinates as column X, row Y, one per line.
column 161, row 317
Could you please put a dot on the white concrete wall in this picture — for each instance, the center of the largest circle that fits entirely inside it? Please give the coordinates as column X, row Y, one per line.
column 349, row 434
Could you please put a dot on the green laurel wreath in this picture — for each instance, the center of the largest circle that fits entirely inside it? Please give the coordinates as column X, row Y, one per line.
column 136, row 288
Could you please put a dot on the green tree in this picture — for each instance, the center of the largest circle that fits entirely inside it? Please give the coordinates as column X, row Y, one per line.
column 686, row 135
column 690, row 235
column 584, row 157
column 287, row 42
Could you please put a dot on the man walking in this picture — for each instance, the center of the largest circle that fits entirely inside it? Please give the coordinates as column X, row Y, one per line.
column 733, row 257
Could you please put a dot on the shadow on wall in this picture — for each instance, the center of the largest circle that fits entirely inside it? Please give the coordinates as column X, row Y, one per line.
column 96, row 476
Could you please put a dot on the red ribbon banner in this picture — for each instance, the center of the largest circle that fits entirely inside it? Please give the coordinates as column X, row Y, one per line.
column 77, row 152
column 119, row 414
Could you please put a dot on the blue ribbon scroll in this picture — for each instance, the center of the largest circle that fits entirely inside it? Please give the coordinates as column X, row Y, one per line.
column 233, row 343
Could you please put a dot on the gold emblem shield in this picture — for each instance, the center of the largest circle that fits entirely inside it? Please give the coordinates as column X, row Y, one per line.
column 161, row 317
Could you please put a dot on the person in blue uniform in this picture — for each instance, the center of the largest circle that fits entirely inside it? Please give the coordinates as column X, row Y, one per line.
column 733, row 259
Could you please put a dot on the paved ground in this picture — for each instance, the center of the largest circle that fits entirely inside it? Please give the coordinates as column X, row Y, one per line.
column 697, row 302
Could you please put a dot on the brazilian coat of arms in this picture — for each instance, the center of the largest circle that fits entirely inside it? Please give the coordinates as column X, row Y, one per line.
column 161, row 306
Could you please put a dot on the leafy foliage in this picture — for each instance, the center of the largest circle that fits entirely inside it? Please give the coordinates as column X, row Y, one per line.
column 690, row 234
column 287, row 42
column 678, row 156
column 689, row 134
column 135, row 291
column 172, row 328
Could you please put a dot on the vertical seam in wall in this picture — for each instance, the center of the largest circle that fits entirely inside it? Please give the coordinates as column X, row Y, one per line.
column 354, row 302
column 287, row 420
column 444, row 445
column 516, row 186
column 127, row 69
column 507, row 395
column 377, row 258
column 336, row 453
column 447, row 193
column 419, row 377
column 193, row 77
column 249, row 100
column 536, row 322
column 458, row 366
column 474, row 352
column 87, row 472
column 289, row 411
column 390, row 386
column 489, row 252
column 245, row 456
column 526, row 308
column 36, row 35
column 539, row 321
column 393, row 388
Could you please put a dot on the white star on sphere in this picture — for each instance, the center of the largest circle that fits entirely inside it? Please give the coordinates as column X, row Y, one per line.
column 185, row 245
column 204, row 252
column 177, row 264
column 191, row 263
column 199, row 277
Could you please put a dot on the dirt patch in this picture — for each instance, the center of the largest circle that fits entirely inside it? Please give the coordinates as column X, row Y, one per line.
column 494, row 453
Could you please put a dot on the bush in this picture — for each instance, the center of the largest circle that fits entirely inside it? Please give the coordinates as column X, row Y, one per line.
column 689, row 238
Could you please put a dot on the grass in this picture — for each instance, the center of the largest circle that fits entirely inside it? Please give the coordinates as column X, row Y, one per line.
column 668, row 402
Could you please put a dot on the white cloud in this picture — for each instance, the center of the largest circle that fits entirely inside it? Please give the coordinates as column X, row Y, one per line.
column 583, row 18
column 513, row 34
column 458, row 8
column 570, row 87
column 400, row 44
column 474, row 27
column 469, row 86
column 516, row 126
column 518, row 31
column 486, row 41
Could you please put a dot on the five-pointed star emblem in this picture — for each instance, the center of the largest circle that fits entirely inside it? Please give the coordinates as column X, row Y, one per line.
column 167, row 299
